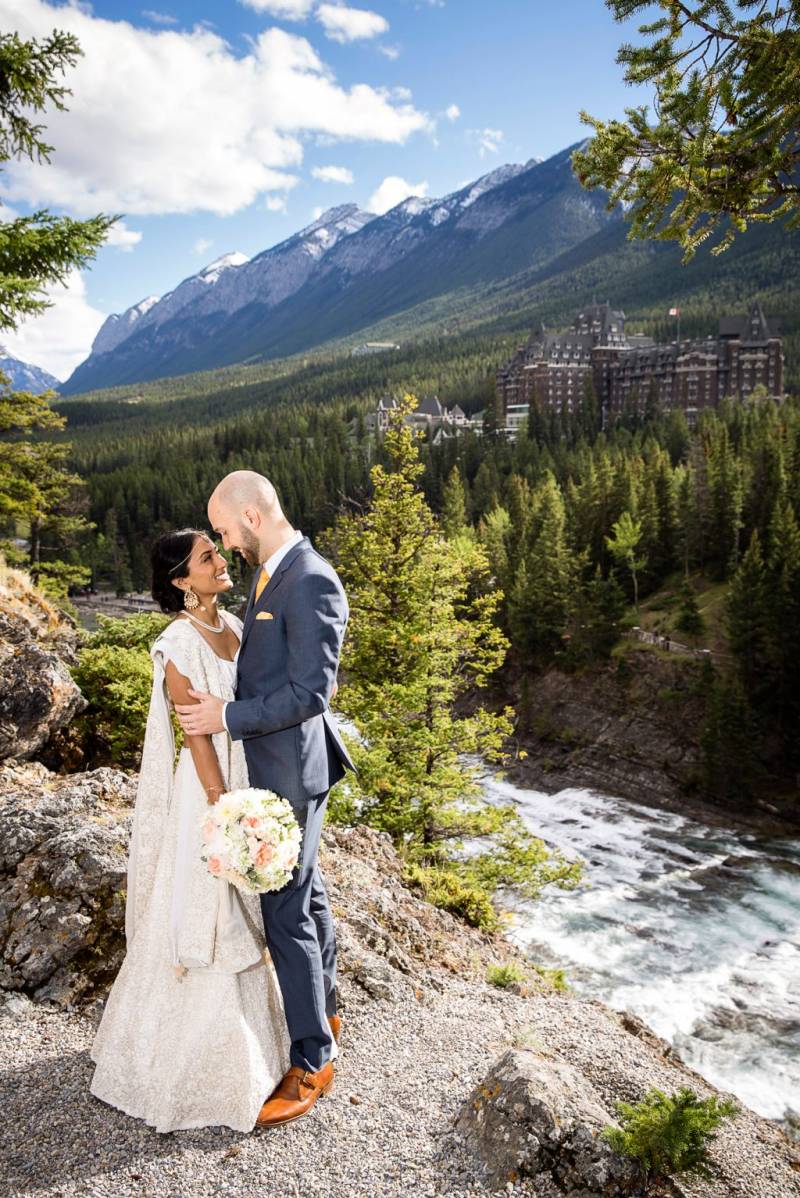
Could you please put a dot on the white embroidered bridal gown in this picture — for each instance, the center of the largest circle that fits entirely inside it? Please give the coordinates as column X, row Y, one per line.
column 193, row 1033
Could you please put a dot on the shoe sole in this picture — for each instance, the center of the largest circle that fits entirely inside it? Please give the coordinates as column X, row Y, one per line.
column 293, row 1118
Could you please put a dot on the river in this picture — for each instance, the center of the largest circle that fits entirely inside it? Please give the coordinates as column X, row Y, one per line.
column 695, row 928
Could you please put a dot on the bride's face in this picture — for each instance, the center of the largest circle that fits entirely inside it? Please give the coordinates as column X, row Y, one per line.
column 208, row 570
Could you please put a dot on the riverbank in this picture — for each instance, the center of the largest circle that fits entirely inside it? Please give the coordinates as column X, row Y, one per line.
column 630, row 728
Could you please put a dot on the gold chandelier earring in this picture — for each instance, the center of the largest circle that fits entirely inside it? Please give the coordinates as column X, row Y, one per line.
column 190, row 600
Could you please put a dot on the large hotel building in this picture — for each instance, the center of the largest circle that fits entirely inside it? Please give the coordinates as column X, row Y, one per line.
column 551, row 369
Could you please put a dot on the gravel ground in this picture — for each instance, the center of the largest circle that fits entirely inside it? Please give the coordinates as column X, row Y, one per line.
column 386, row 1129
column 421, row 1030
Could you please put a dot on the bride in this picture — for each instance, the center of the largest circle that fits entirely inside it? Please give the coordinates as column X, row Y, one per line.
column 193, row 1032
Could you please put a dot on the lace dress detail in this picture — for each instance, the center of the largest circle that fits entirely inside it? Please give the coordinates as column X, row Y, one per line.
column 193, row 1033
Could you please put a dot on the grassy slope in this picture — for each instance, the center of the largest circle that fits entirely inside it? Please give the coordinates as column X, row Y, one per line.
column 659, row 613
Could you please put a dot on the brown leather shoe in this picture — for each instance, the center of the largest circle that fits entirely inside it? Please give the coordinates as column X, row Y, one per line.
column 295, row 1095
column 336, row 1026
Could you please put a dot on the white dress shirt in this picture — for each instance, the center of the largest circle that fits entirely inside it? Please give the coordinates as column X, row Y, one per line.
column 269, row 567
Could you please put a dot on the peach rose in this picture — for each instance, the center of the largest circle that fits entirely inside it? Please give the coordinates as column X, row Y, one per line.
column 264, row 854
column 215, row 866
column 209, row 828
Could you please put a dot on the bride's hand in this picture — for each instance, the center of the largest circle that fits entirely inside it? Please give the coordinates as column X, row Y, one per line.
column 213, row 794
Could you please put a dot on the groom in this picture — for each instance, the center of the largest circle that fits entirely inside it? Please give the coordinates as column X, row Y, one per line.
column 289, row 655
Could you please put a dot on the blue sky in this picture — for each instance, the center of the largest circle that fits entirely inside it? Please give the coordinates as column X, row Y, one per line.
column 227, row 126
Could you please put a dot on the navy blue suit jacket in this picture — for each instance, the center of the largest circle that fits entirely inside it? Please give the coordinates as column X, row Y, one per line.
column 289, row 656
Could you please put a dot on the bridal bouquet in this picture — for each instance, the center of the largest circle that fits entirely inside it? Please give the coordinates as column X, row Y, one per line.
column 252, row 839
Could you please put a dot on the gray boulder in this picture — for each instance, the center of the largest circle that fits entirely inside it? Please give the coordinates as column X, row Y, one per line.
column 37, row 693
column 63, row 864
column 534, row 1114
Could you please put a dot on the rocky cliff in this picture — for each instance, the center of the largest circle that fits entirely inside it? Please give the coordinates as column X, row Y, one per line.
column 630, row 728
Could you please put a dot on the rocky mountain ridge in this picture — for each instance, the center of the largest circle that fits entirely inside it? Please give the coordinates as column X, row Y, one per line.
column 346, row 269
column 23, row 376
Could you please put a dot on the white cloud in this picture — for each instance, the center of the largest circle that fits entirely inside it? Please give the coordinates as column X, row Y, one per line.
column 317, row 212
column 159, row 18
column 60, row 338
column 290, row 10
column 452, row 112
column 333, row 174
column 275, row 203
column 167, row 121
column 343, row 24
column 393, row 190
column 123, row 237
column 489, row 140
column 201, row 245
column 390, row 52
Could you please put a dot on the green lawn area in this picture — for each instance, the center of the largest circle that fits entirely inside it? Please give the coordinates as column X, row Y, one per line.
column 659, row 612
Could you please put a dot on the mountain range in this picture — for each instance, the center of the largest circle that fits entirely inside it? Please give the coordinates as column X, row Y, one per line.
column 22, row 376
column 524, row 236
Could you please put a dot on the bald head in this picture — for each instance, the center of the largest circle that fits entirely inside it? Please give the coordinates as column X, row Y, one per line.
column 245, row 510
column 245, row 488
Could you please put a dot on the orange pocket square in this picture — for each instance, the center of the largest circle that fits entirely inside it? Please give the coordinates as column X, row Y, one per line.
column 265, row 615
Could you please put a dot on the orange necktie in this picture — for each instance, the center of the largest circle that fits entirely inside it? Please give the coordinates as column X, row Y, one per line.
column 262, row 582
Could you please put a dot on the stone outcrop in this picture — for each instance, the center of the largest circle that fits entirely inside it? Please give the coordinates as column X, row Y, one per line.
column 63, row 864
column 630, row 728
column 37, row 694
column 535, row 1114
column 63, row 861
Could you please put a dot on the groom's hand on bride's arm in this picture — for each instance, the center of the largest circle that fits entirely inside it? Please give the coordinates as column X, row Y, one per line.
column 203, row 717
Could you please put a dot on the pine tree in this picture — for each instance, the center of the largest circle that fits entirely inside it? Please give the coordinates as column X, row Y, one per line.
column 689, row 618
column 721, row 149
column 41, row 249
column 37, row 492
column 748, row 621
column 454, row 507
column 725, row 503
column 544, row 587
column 416, row 641
column 423, row 633
column 595, row 619
column 728, row 745
column 783, row 586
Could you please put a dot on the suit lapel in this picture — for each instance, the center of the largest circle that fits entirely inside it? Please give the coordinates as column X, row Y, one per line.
column 256, row 606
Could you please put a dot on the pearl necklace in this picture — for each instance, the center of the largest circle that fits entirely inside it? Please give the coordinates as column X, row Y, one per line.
column 203, row 624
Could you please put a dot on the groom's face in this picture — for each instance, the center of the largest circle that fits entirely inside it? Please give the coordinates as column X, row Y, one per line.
column 235, row 534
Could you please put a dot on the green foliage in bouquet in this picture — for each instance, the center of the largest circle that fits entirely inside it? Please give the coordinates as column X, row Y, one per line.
column 115, row 674
column 669, row 1134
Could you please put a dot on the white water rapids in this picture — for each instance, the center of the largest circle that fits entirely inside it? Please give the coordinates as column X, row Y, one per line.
column 694, row 928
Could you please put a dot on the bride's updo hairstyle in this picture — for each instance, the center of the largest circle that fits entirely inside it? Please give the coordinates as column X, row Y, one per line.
column 170, row 559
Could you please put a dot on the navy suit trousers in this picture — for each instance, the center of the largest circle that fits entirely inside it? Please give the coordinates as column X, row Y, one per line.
column 299, row 929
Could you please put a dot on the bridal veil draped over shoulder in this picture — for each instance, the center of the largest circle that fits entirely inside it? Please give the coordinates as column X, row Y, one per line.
column 193, row 1033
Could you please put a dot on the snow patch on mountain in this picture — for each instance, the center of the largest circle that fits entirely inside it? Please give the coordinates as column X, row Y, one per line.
column 23, row 376
column 119, row 326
